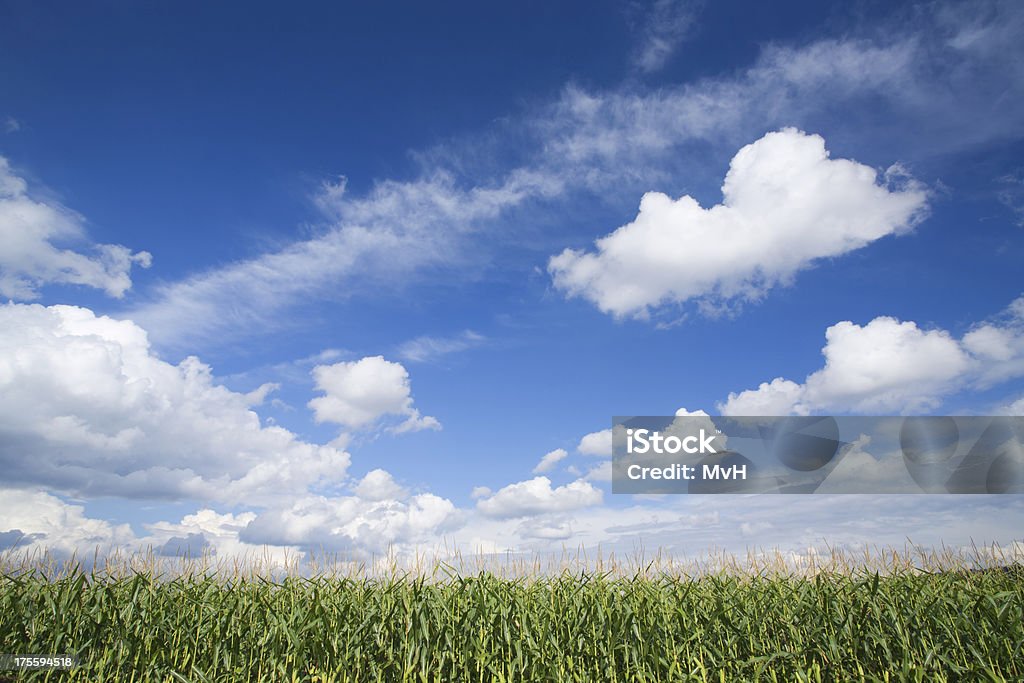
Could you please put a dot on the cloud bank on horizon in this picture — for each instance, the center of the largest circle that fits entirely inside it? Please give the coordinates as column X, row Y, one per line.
column 783, row 199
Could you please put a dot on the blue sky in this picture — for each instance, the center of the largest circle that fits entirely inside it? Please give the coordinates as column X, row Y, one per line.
column 343, row 276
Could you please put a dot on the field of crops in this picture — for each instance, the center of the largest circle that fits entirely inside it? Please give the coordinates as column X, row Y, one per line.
column 588, row 626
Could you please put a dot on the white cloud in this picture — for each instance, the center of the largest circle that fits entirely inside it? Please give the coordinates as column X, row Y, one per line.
column 665, row 25
column 600, row 444
column 885, row 365
column 191, row 546
column 778, row 397
column 450, row 216
column 860, row 469
column 625, row 138
column 688, row 420
column 209, row 533
column 351, row 524
column 991, row 342
column 546, row 528
column 601, row 472
column 889, row 365
column 597, row 443
column 1015, row 408
column 422, row 349
column 754, row 528
column 909, row 74
column 428, row 528
column 86, row 408
column 378, row 485
column 398, row 230
column 11, row 125
column 621, row 530
column 536, row 496
column 683, row 412
column 785, row 205
column 30, row 258
column 1011, row 194
column 998, row 346
column 34, row 520
column 548, row 462
column 359, row 393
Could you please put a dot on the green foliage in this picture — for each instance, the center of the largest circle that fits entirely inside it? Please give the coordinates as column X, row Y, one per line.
column 854, row 626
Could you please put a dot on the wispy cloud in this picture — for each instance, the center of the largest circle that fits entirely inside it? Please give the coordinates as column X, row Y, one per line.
column 423, row 349
column 11, row 125
column 1011, row 194
column 665, row 25
column 396, row 232
column 603, row 144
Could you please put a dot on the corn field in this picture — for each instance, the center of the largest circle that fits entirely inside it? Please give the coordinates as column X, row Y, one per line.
column 904, row 624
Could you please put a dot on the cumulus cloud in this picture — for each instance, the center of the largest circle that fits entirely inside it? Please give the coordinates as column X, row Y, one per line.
column 688, row 420
column 87, row 408
column 548, row 462
column 998, row 346
column 209, row 533
column 351, row 524
column 16, row 538
column 34, row 520
column 597, row 443
column 190, row 546
column 31, row 232
column 1014, row 408
column 861, row 469
column 359, row 393
column 785, row 205
column 892, row 365
column 601, row 472
column 778, row 397
column 536, row 496
column 885, row 365
column 377, row 485
column 676, row 525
